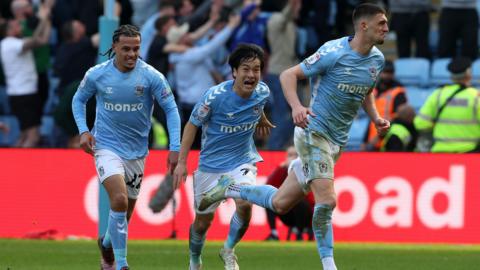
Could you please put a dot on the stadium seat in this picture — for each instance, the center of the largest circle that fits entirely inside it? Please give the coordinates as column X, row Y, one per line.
column 47, row 131
column 412, row 71
column 417, row 96
column 440, row 74
column 9, row 139
column 476, row 73
column 357, row 132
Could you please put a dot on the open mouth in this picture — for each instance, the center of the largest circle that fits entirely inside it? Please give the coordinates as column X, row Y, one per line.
column 249, row 83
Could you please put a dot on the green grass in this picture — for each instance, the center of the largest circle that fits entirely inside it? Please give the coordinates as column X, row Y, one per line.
column 167, row 254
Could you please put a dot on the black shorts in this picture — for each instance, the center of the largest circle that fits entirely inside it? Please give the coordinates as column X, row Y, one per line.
column 27, row 109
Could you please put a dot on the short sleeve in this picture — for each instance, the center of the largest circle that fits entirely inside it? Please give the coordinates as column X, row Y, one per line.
column 202, row 111
column 318, row 63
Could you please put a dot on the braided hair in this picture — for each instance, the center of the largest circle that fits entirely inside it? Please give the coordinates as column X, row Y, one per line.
column 126, row 30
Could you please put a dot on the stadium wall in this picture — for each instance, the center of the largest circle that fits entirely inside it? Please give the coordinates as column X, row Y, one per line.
column 418, row 198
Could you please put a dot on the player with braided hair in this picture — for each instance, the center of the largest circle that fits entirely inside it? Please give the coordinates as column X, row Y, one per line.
column 125, row 88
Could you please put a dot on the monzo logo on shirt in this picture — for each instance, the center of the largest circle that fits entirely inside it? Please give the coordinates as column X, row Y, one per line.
column 119, row 107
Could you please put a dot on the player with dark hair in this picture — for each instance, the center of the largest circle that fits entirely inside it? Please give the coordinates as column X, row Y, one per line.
column 125, row 88
column 349, row 68
column 228, row 114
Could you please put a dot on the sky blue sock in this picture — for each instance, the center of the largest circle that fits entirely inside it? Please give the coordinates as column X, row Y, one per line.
column 118, row 228
column 322, row 228
column 195, row 244
column 259, row 195
column 107, row 242
column 238, row 227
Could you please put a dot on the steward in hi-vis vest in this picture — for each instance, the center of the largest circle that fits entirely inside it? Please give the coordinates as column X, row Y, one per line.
column 389, row 95
column 452, row 112
column 402, row 135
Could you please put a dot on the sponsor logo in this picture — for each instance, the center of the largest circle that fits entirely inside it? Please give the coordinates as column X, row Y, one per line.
column 353, row 89
column 109, row 90
column 234, row 129
column 230, row 115
column 122, row 228
column 101, row 171
column 313, row 58
column 348, row 71
column 166, row 92
column 118, row 107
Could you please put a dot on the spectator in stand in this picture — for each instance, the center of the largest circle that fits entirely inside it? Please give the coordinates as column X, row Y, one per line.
column 143, row 9
column 21, row 76
column 184, row 12
column 281, row 33
column 402, row 136
column 252, row 27
column 458, row 21
column 149, row 29
column 411, row 21
column 297, row 219
column 23, row 12
column 389, row 95
column 75, row 55
column 193, row 67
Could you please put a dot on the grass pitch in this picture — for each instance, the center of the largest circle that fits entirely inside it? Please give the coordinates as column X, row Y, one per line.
column 171, row 254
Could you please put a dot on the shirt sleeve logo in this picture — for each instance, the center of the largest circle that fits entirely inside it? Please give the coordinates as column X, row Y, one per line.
column 202, row 112
column 312, row 59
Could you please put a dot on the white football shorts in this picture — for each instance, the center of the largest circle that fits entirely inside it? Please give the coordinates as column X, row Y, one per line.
column 108, row 163
column 245, row 174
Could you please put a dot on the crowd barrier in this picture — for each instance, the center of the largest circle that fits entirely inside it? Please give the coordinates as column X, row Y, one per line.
column 417, row 198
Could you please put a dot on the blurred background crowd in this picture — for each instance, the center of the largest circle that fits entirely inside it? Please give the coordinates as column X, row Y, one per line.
column 47, row 46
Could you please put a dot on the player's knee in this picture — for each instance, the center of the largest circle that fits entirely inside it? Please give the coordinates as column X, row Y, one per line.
column 280, row 207
column 119, row 202
column 244, row 209
column 201, row 226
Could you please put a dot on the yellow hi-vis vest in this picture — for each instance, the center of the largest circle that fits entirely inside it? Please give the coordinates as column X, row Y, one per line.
column 401, row 132
column 457, row 129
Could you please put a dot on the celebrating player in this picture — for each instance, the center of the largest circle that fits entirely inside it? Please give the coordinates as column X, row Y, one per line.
column 228, row 114
column 348, row 67
column 125, row 88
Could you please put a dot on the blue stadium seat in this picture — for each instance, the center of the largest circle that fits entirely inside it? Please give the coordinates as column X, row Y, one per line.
column 4, row 105
column 412, row 71
column 47, row 131
column 440, row 74
column 357, row 132
column 417, row 96
column 9, row 139
column 476, row 73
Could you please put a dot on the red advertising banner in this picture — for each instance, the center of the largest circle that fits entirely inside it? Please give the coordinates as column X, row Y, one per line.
column 422, row 198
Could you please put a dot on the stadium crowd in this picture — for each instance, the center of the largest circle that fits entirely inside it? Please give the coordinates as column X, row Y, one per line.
column 47, row 46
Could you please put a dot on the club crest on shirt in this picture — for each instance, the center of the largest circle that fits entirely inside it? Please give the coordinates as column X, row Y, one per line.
column 323, row 167
column 139, row 89
column 256, row 110
column 373, row 73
